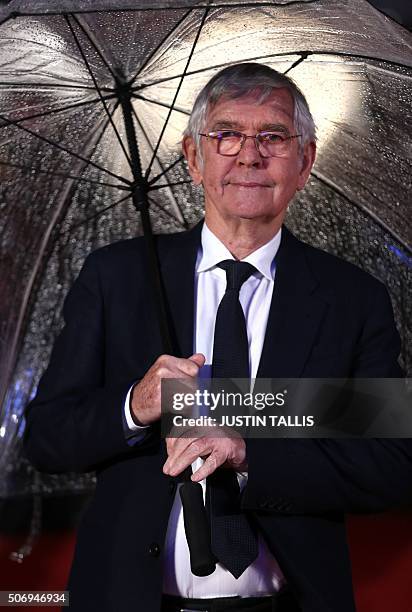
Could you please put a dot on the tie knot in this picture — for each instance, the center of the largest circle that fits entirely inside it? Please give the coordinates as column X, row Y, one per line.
column 237, row 272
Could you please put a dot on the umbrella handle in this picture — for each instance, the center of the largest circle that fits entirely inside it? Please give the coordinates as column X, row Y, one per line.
column 197, row 527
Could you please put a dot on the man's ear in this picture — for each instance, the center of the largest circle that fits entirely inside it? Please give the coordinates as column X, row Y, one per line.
column 308, row 159
column 192, row 157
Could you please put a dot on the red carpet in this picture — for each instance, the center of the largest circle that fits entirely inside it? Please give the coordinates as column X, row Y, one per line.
column 46, row 569
column 381, row 549
column 381, row 552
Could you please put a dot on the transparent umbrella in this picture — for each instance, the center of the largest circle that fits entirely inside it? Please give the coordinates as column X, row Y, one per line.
column 92, row 108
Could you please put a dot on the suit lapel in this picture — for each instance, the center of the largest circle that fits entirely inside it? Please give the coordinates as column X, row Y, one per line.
column 177, row 255
column 295, row 314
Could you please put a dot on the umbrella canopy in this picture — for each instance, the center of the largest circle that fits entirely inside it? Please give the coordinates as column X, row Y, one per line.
column 92, row 108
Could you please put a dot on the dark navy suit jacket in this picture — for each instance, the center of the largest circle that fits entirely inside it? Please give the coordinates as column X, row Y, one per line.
column 327, row 319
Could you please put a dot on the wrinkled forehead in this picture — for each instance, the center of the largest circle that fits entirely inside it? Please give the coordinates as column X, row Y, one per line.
column 276, row 104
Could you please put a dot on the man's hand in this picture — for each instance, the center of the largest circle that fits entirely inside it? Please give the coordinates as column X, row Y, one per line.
column 146, row 401
column 228, row 452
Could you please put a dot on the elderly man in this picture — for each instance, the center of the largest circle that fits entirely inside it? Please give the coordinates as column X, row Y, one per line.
column 246, row 298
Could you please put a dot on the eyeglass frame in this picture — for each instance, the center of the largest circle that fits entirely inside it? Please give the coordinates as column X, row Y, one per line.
column 242, row 142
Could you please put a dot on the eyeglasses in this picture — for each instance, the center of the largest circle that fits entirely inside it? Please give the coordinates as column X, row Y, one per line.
column 268, row 144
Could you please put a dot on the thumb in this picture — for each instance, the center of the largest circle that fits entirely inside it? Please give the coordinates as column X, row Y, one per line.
column 198, row 358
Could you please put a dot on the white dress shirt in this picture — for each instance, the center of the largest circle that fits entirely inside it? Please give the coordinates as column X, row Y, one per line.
column 263, row 576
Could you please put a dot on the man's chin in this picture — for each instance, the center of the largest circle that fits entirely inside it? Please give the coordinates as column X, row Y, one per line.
column 246, row 210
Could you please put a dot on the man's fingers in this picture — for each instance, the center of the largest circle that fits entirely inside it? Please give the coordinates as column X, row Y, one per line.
column 191, row 366
column 179, row 461
column 184, row 455
column 211, row 464
column 175, row 367
column 184, row 451
column 146, row 398
column 195, row 439
column 168, row 366
column 177, row 445
column 198, row 358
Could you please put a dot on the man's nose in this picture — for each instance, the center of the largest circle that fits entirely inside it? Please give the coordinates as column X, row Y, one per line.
column 249, row 154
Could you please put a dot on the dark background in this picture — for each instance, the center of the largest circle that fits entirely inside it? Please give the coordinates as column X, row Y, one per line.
column 400, row 10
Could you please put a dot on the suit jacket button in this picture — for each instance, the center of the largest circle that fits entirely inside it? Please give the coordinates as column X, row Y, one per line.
column 154, row 549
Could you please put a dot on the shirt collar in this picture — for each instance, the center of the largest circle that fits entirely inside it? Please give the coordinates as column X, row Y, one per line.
column 214, row 251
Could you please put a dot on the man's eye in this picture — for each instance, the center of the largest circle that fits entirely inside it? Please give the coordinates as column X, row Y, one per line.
column 272, row 137
column 226, row 134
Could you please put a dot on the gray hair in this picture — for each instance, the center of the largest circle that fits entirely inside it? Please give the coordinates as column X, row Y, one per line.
column 248, row 79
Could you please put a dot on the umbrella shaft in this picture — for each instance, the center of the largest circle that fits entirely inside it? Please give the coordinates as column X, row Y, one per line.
column 141, row 203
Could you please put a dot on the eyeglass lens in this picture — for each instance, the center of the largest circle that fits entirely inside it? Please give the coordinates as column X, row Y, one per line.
column 270, row 144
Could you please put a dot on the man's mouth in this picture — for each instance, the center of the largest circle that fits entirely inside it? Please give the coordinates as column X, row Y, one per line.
column 248, row 184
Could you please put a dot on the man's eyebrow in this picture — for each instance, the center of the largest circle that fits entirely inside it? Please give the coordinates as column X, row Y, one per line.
column 273, row 127
column 224, row 124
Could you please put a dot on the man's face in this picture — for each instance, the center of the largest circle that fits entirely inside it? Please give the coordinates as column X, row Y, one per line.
column 248, row 185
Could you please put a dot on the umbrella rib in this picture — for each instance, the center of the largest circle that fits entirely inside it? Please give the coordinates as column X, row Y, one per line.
column 148, row 9
column 156, row 49
column 59, row 110
column 62, row 174
column 200, row 70
column 172, row 165
column 95, row 215
column 354, row 56
column 98, row 91
column 57, row 211
column 43, row 46
column 320, row 177
column 21, row 84
column 301, row 52
column 160, row 164
column 298, row 61
column 96, row 144
column 166, row 212
column 164, row 104
column 65, row 150
column 399, row 75
column 84, row 168
column 221, row 65
column 155, row 187
column 192, row 50
column 92, row 42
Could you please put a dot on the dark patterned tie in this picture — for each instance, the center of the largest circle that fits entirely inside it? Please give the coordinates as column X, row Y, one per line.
column 233, row 541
